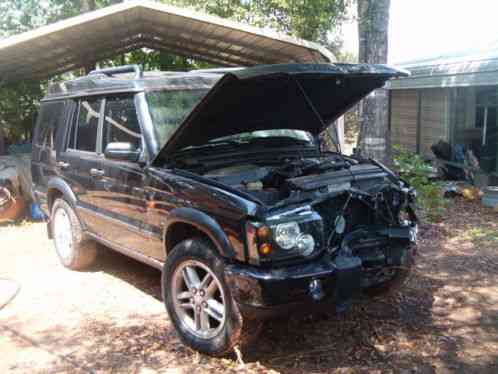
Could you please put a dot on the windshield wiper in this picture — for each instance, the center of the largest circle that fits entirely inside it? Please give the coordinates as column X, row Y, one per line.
column 215, row 143
column 268, row 139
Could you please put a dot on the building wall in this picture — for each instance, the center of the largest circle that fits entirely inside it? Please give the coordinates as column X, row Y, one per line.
column 404, row 112
column 420, row 118
column 434, row 121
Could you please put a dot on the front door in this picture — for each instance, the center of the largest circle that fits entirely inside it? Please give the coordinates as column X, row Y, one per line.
column 121, row 191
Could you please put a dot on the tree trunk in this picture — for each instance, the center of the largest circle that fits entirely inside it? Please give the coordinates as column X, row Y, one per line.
column 373, row 25
column 88, row 6
column 3, row 146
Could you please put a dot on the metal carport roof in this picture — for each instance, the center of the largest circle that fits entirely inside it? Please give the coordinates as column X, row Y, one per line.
column 472, row 67
column 82, row 40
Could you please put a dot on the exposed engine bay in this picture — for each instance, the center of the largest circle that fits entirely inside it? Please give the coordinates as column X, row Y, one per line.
column 331, row 183
column 272, row 183
column 366, row 210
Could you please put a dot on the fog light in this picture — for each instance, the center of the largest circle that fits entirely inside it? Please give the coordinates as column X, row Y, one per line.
column 315, row 289
column 305, row 243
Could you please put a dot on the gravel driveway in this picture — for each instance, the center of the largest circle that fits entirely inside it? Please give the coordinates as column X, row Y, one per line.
column 111, row 318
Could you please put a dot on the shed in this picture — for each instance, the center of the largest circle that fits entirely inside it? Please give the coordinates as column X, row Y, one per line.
column 453, row 98
column 85, row 39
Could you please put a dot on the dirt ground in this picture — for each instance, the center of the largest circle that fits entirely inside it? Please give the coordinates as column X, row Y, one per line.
column 111, row 318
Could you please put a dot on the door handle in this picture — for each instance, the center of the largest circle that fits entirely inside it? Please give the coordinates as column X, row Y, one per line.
column 63, row 165
column 97, row 173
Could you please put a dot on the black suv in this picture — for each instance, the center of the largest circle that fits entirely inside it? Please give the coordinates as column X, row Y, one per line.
column 216, row 177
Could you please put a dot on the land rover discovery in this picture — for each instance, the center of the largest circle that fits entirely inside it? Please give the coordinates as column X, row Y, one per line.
column 216, row 178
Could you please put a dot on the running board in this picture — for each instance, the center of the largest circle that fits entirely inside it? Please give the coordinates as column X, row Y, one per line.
column 128, row 252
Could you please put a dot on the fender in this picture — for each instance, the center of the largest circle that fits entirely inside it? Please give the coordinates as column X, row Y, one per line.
column 57, row 183
column 204, row 223
column 61, row 185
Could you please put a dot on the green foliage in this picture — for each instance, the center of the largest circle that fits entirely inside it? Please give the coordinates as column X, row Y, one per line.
column 311, row 20
column 18, row 107
column 482, row 235
column 417, row 172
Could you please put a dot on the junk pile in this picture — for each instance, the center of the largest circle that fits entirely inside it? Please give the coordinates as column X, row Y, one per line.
column 15, row 182
column 462, row 189
column 455, row 163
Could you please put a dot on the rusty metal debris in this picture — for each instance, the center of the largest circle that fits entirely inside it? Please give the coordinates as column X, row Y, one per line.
column 14, row 187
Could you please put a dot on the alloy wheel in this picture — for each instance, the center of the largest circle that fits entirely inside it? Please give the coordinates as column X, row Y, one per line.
column 198, row 299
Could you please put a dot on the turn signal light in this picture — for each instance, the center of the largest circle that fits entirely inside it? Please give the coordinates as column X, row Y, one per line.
column 263, row 233
column 265, row 249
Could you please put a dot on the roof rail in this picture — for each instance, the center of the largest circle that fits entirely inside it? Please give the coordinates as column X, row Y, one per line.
column 217, row 70
column 120, row 70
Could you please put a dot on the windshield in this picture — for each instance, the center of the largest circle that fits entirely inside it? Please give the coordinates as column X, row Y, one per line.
column 249, row 136
column 168, row 109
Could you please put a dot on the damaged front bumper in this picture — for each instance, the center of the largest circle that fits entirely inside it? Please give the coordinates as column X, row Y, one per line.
column 367, row 259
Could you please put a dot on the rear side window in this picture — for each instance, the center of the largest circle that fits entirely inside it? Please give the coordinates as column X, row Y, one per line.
column 49, row 118
column 121, row 122
column 84, row 130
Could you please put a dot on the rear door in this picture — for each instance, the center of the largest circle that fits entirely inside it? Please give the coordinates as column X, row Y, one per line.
column 80, row 161
column 46, row 140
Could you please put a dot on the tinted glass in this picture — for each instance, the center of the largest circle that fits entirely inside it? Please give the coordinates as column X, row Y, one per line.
column 87, row 124
column 49, row 118
column 121, row 122
column 168, row 109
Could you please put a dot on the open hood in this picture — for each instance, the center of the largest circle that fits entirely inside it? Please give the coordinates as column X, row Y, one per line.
column 290, row 96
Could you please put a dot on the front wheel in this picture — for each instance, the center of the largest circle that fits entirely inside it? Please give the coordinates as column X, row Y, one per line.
column 199, row 302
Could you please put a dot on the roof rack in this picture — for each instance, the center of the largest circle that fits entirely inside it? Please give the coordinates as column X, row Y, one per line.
column 120, row 70
column 217, row 70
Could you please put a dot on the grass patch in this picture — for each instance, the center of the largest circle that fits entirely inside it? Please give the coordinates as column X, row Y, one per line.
column 482, row 235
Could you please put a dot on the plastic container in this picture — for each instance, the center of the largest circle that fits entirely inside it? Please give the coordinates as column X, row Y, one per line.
column 490, row 197
column 36, row 213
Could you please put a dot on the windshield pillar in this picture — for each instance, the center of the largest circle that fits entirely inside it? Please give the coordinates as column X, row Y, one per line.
column 147, row 126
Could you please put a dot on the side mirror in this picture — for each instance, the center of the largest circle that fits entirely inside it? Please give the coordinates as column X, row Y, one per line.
column 122, row 152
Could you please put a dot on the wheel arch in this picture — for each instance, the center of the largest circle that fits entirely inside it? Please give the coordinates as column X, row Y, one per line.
column 58, row 188
column 185, row 223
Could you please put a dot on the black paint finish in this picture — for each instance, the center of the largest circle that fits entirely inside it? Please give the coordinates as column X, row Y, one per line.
column 144, row 208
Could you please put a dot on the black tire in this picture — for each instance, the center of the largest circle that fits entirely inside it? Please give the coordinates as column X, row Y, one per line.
column 83, row 250
column 236, row 330
column 390, row 286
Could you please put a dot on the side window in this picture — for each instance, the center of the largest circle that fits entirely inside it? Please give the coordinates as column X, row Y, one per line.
column 121, row 122
column 84, row 130
column 47, row 124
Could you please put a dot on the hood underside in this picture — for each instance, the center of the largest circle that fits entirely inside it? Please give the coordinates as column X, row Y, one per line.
column 305, row 97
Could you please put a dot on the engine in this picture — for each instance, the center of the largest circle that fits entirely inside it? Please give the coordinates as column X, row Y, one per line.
column 347, row 194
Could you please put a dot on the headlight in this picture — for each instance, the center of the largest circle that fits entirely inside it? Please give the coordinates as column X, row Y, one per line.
column 305, row 243
column 286, row 235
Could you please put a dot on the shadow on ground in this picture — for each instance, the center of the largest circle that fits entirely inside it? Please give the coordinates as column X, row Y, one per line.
column 444, row 319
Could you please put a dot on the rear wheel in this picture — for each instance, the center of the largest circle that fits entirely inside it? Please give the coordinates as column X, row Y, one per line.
column 199, row 302
column 74, row 250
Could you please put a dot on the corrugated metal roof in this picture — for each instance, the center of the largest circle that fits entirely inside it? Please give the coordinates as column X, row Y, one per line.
column 93, row 36
column 473, row 67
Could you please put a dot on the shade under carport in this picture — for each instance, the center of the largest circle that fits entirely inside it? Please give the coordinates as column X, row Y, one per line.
column 93, row 36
